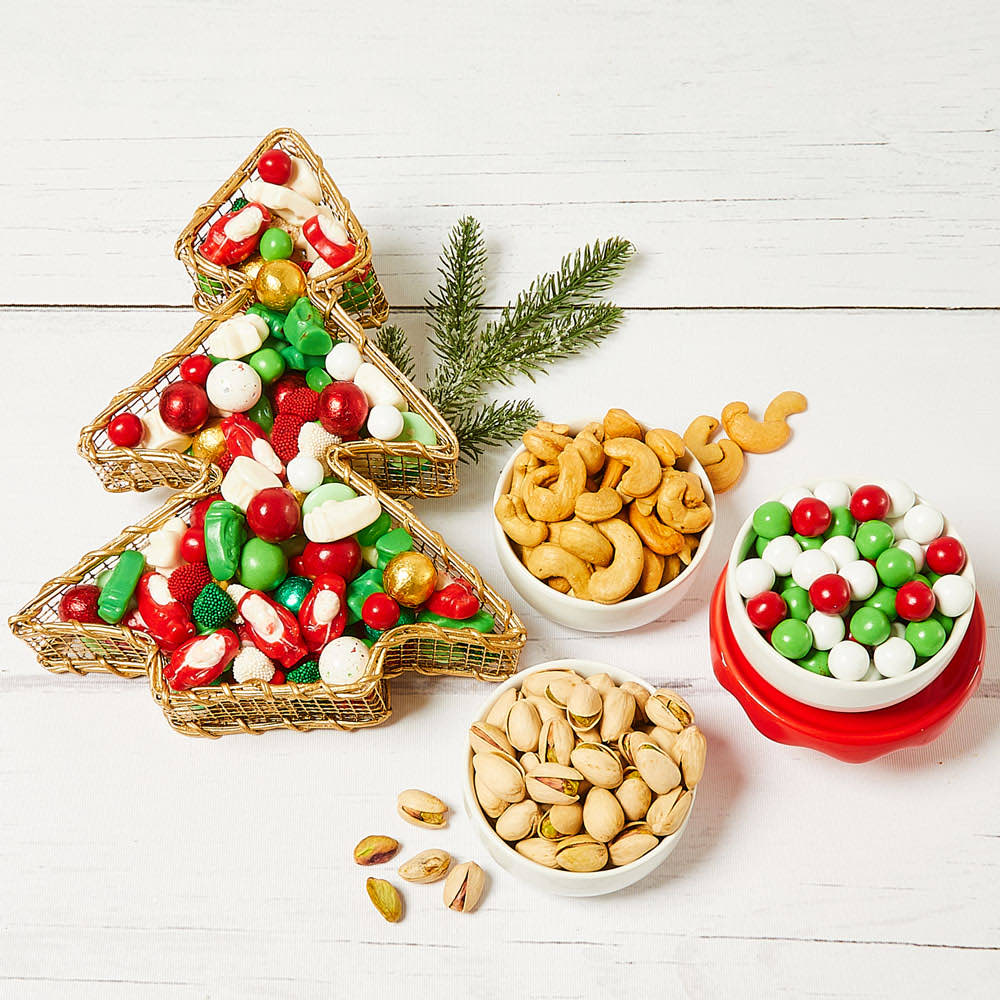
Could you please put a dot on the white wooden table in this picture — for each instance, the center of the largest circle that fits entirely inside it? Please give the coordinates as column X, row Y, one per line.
column 812, row 189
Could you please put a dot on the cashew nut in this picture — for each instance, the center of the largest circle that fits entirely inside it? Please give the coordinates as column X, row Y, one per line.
column 617, row 581
column 785, row 404
column 668, row 446
column 652, row 571
column 590, row 449
column 655, row 535
column 517, row 525
column 524, row 463
column 671, row 569
column 621, row 423
column 556, row 503
column 698, row 438
column 724, row 474
column 583, row 540
column 760, row 437
column 686, row 554
column 547, row 425
column 550, row 560
column 598, row 506
column 559, row 583
column 546, row 444
column 613, row 472
column 643, row 475
column 679, row 511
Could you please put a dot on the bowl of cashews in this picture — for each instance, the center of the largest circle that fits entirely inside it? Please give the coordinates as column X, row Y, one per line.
column 602, row 526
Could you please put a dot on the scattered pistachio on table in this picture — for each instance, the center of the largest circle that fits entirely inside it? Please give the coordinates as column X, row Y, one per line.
column 463, row 888
column 421, row 808
column 375, row 850
column 427, row 866
column 385, row 898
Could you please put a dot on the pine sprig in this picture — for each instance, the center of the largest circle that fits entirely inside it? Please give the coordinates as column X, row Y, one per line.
column 453, row 310
column 492, row 425
column 392, row 342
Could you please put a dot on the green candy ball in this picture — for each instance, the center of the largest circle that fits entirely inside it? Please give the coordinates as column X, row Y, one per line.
column 268, row 364
column 262, row 414
column 262, row 565
column 870, row 626
column 926, row 637
column 799, row 605
column 760, row 544
column 873, row 538
column 884, row 600
column 291, row 592
column 841, row 523
column 317, row 379
column 895, row 566
column 805, row 542
column 772, row 519
column 275, row 244
column 816, row 661
column 792, row 638
column 944, row 621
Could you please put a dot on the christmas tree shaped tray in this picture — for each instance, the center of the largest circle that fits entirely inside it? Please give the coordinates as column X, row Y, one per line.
column 400, row 467
column 256, row 706
column 298, row 201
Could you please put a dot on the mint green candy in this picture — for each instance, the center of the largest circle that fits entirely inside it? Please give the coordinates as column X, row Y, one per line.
column 268, row 364
column 884, row 600
column 926, row 637
column 816, row 660
column 870, row 626
column 392, row 543
column 792, row 638
column 367, row 537
column 772, row 519
column 275, row 244
column 263, row 565
column 895, row 566
column 797, row 600
column 808, row 541
column 841, row 523
column 415, row 428
column 262, row 414
column 873, row 538
column 327, row 491
column 317, row 379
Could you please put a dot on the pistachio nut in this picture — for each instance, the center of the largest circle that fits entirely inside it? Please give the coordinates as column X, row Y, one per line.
column 522, row 725
column 559, row 689
column 664, row 739
column 484, row 737
column 463, row 888
column 631, row 844
column 668, row 709
column 602, row 683
column 421, row 808
column 489, row 801
column 546, row 710
column 619, row 711
column 501, row 774
column 603, row 817
column 668, row 811
column 530, row 760
column 656, row 767
column 641, row 696
column 561, row 821
column 555, row 741
column 519, row 821
column 553, row 784
column 581, row 854
column 584, row 708
column 537, row 682
column 385, row 898
column 427, row 866
column 690, row 749
column 498, row 713
column 375, row 850
column 598, row 764
column 542, row 852
column 634, row 795
column 628, row 743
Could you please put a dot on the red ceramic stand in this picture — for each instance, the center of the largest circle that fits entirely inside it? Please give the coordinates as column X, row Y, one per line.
column 854, row 737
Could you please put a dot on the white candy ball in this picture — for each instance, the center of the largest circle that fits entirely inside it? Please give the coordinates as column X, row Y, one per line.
column 343, row 362
column 861, row 578
column 792, row 497
column 753, row 577
column 343, row 661
column 923, row 523
column 872, row 675
column 833, row 493
column 810, row 565
column 894, row 657
column 897, row 629
column 954, row 595
column 848, row 661
column 233, row 386
column 250, row 664
column 385, row 422
column 780, row 554
column 915, row 550
column 901, row 497
column 304, row 473
column 827, row 630
column 841, row 550
column 898, row 531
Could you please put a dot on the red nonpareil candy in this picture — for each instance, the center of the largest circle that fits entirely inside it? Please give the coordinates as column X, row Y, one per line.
column 187, row 581
column 303, row 402
column 79, row 604
column 285, row 436
column 766, row 610
column 125, row 430
column 288, row 383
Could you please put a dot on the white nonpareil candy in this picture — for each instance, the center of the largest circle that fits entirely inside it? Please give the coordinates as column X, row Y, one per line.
column 336, row 519
column 164, row 548
column 833, row 492
column 343, row 661
column 343, row 362
column 810, row 566
column 954, row 595
column 841, row 550
column 377, row 387
column 244, row 480
column 233, row 386
column 848, row 661
column 250, row 664
column 780, row 554
column 237, row 337
column 385, row 422
column 923, row 523
column 894, row 657
column 315, row 441
column 827, row 630
column 861, row 578
column 753, row 577
column 157, row 435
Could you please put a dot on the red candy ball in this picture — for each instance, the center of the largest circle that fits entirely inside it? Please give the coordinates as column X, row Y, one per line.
column 125, row 430
column 197, row 519
column 380, row 612
column 869, row 503
column 196, row 368
column 284, row 386
column 766, row 610
column 183, row 407
column 342, row 558
column 915, row 601
column 811, row 517
column 830, row 594
column 275, row 166
column 79, row 604
column 343, row 408
column 945, row 555
column 273, row 514
column 193, row 545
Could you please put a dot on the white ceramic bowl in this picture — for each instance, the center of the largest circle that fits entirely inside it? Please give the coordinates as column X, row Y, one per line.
column 815, row 689
column 555, row 880
column 589, row 616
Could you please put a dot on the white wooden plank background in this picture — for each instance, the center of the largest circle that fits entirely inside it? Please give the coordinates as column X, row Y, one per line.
column 801, row 156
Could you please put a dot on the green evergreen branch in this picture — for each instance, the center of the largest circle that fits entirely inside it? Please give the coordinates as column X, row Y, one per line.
column 492, row 425
column 393, row 343
column 453, row 310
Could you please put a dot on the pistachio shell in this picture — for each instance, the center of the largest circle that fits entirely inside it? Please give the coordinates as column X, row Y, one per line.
column 618, row 713
column 690, row 749
column 427, row 866
column 602, row 683
column 584, row 708
column 627, row 744
column 668, row 709
column 553, row 784
column 560, row 689
column 523, row 725
column 542, row 852
column 421, row 808
column 519, row 821
column 463, row 888
column 561, row 821
column 603, row 818
column 581, row 854
column 634, row 795
column 484, row 737
column 631, row 844
column 536, row 683
column 375, row 850
column 598, row 764
column 489, row 801
column 497, row 714
column 530, row 760
column 667, row 812
column 656, row 767
column 546, row 710
column 385, row 898
column 501, row 774
column 555, row 741
column 664, row 739
column 641, row 696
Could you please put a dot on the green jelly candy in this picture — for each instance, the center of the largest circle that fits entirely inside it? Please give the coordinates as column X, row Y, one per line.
column 807, row 542
column 307, row 672
column 304, row 329
column 362, row 587
column 268, row 364
column 944, row 621
column 841, row 522
column 302, row 313
column 481, row 621
column 275, row 320
column 225, row 533
column 291, row 592
column 391, row 544
column 792, row 638
column 926, row 637
column 262, row 565
column 884, row 600
column 873, row 538
column 799, row 605
column 103, row 577
column 262, row 414
column 367, row 537
column 293, row 358
column 120, row 587
column 816, row 661
column 212, row 608
column 895, row 566
column 275, row 244
column 870, row 626
column 327, row 491
column 761, row 544
column 315, row 360
column 317, row 379
column 772, row 519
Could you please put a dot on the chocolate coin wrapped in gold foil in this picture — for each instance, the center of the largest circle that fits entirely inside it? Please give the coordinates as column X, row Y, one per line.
column 209, row 444
column 279, row 283
column 409, row 578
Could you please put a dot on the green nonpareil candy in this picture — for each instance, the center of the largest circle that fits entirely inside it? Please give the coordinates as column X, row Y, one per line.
column 884, row 600
column 772, row 519
column 120, row 587
column 268, row 364
column 816, row 661
column 870, row 626
column 318, row 379
column 212, row 608
column 895, row 566
column 481, row 621
column 792, row 638
column 367, row 537
column 304, row 329
column 873, row 538
column 808, row 542
column 841, row 523
column 291, row 592
column 225, row 533
column 392, row 543
column 262, row 414
column 275, row 244
column 799, row 605
column 926, row 637
column 275, row 320
column 262, row 565
column 306, row 672
column 327, row 491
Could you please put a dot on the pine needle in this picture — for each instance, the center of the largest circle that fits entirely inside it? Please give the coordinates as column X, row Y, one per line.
column 453, row 310
column 393, row 343
column 493, row 425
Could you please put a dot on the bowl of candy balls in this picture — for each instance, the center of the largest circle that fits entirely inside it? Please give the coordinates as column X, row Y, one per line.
column 849, row 594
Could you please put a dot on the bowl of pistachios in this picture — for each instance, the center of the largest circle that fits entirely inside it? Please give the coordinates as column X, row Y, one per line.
column 581, row 777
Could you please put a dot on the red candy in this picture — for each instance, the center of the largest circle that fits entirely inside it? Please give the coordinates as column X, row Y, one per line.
column 196, row 368
column 302, row 402
column 193, row 545
column 811, row 517
column 79, row 604
column 125, row 430
column 342, row 558
column 454, row 601
column 766, row 610
column 830, row 594
column 869, row 503
column 323, row 613
column 285, row 436
column 183, row 407
column 343, row 408
column 275, row 166
column 283, row 386
column 273, row 514
column 945, row 555
column 187, row 581
column 915, row 601
column 198, row 510
column 380, row 612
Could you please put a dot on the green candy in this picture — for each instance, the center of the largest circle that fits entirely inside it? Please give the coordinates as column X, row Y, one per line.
column 760, row 544
column 808, row 542
column 481, row 621
column 103, row 577
column 895, row 566
column 943, row 620
column 318, row 379
column 415, row 428
column 307, row 672
column 237, row 203
column 884, row 600
column 799, row 605
column 792, row 638
column 926, row 637
column 275, row 320
column 870, row 626
column 268, row 364
column 816, row 661
column 293, row 358
column 304, row 329
column 225, row 533
column 291, row 592
column 362, row 587
column 841, row 523
column 209, row 286
column 392, row 543
column 120, row 587
column 263, row 565
column 921, row 578
column 873, row 538
column 262, row 414
column 772, row 519
column 275, row 244
column 357, row 294
column 367, row 537
column 373, row 634
column 407, row 616
column 931, row 577
column 212, row 608
column 324, row 492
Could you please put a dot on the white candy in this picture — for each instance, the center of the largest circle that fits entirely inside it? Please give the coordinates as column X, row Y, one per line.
column 954, row 595
column 243, row 224
column 244, row 480
column 164, row 548
column 304, row 473
column 289, row 204
column 261, row 451
column 377, row 387
column 898, row 629
column 343, row 661
column 915, row 550
column 848, row 661
column 792, row 497
column 385, row 422
column 336, row 519
column 753, row 577
column 157, row 435
column 841, row 550
column 810, row 566
column 833, row 493
column 894, row 657
column 901, row 497
column 923, row 523
column 780, row 554
column 233, row 386
column 861, row 578
column 343, row 362
column 250, row 664
column 827, row 630
column 237, row 337
column 872, row 675
column 303, row 180
column 333, row 229
column 315, row 441
column 370, row 554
